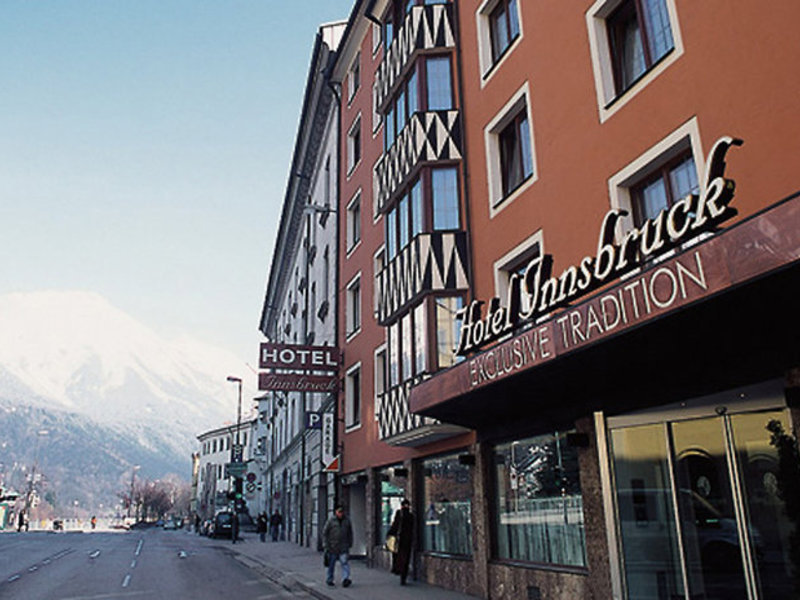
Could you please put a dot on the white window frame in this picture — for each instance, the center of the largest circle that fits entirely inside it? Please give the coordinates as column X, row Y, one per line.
column 608, row 103
column 354, row 222
column 486, row 62
column 355, row 127
column 491, row 135
column 348, row 398
column 354, row 78
column 619, row 185
column 353, row 328
column 523, row 251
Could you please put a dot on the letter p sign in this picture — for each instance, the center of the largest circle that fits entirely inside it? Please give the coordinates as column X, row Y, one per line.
column 313, row 420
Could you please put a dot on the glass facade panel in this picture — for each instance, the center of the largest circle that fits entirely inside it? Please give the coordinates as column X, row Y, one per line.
column 448, row 328
column 440, row 89
column 420, row 339
column 539, row 506
column 392, row 490
column 445, row 198
column 447, row 521
column 416, row 209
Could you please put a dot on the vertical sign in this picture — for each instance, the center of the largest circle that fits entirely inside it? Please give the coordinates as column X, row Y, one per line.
column 328, row 442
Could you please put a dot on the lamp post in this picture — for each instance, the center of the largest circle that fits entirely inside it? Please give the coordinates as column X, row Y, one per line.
column 32, row 474
column 237, row 479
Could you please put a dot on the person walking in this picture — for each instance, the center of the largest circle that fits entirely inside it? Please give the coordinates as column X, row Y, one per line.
column 262, row 526
column 275, row 522
column 337, row 537
column 403, row 529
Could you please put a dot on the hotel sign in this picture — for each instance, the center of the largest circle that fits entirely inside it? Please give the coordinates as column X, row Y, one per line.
column 290, row 366
column 289, row 356
column 543, row 292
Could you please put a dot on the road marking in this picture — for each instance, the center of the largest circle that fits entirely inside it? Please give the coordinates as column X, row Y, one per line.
column 182, row 554
column 32, row 569
column 46, row 561
column 14, row 578
column 94, row 554
column 139, row 547
column 127, row 580
column 133, row 564
column 112, row 595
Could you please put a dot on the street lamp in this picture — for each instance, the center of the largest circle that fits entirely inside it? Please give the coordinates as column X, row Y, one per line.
column 237, row 479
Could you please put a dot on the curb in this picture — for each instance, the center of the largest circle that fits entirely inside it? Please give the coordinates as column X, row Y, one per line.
column 280, row 578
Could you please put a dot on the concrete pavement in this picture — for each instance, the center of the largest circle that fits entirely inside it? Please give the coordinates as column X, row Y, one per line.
column 298, row 568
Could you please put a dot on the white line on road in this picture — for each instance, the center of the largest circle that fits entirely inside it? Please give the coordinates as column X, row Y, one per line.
column 127, row 580
column 46, row 561
column 139, row 547
column 13, row 578
column 94, row 554
column 133, row 564
column 112, row 595
column 32, row 569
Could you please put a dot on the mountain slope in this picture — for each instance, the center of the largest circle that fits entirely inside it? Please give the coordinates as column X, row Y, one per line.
column 107, row 386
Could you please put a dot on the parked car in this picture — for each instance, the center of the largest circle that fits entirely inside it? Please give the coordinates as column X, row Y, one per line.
column 223, row 525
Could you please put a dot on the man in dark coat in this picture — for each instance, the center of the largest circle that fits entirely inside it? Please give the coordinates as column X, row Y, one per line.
column 275, row 522
column 337, row 537
column 261, row 526
column 403, row 529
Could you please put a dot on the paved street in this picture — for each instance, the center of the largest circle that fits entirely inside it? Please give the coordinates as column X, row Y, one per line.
column 150, row 563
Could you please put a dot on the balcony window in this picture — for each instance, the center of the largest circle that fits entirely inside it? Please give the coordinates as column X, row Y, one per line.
column 448, row 329
column 439, row 83
column 444, row 196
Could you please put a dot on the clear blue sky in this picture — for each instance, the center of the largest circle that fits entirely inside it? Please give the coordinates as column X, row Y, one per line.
column 144, row 148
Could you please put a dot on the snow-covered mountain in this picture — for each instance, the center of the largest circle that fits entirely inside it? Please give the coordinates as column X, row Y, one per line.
column 75, row 355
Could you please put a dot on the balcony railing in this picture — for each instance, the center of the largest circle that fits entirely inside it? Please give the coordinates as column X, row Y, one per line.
column 427, row 137
column 431, row 262
column 424, row 28
column 398, row 427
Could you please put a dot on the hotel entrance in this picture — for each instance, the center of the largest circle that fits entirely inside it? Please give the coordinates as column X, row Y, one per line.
column 699, row 492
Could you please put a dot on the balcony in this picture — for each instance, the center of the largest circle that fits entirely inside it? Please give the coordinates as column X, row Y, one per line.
column 398, row 427
column 431, row 262
column 427, row 137
column 425, row 28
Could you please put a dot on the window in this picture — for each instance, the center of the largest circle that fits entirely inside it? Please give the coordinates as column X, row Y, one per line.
column 515, row 152
column 439, row 83
column 354, row 145
column 664, row 174
column 353, row 396
column 663, row 187
column 327, row 189
column 394, row 354
column 380, row 365
column 504, row 27
column 354, row 78
column 639, row 34
column 447, row 521
column 510, row 150
column 632, row 42
column 400, row 111
column 408, row 345
column 538, row 503
column 444, row 185
column 448, row 329
column 420, row 338
column 354, row 222
column 406, row 337
column 354, row 306
column 515, row 262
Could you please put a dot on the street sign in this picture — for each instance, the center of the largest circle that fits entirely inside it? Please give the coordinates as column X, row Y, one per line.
column 251, row 477
column 313, row 420
column 333, row 466
column 235, row 469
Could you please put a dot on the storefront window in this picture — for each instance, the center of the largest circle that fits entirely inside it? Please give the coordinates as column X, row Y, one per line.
column 447, row 518
column 392, row 490
column 539, row 515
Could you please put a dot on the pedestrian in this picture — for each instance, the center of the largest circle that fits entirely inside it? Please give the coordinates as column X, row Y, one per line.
column 197, row 523
column 21, row 520
column 337, row 537
column 275, row 522
column 262, row 526
column 94, row 522
column 403, row 530
column 234, row 527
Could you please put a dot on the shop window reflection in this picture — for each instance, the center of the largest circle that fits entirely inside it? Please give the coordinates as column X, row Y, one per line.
column 539, row 506
column 448, row 506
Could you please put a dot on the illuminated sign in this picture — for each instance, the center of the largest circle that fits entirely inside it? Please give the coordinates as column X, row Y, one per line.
column 542, row 292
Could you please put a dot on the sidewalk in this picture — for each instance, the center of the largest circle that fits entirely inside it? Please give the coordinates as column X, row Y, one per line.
column 297, row 568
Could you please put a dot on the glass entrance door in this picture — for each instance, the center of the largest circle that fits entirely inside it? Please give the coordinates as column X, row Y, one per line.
column 699, row 511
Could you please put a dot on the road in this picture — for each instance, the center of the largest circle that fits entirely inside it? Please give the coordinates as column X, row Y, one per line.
column 146, row 564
